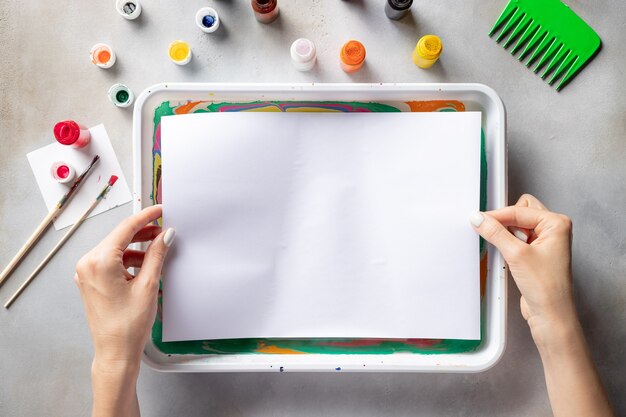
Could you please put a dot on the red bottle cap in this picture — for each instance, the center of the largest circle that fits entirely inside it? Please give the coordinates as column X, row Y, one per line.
column 66, row 132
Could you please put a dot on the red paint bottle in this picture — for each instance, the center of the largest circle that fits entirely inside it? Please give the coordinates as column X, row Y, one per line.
column 265, row 11
column 70, row 133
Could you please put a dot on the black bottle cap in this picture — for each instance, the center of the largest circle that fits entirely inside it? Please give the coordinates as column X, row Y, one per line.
column 400, row 4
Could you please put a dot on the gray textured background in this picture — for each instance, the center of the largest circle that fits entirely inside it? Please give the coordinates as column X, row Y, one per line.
column 569, row 149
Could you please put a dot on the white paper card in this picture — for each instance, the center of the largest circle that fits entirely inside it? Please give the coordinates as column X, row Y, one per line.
column 304, row 225
column 42, row 159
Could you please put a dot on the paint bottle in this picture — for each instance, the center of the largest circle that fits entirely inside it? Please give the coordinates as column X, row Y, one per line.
column 303, row 54
column 427, row 51
column 265, row 11
column 62, row 172
column 207, row 20
column 120, row 95
column 180, row 52
column 397, row 9
column 128, row 9
column 102, row 55
column 70, row 133
column 352, row 56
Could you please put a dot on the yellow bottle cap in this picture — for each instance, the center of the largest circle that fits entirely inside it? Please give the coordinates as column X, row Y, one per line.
column 429, row 47
column 179, row 52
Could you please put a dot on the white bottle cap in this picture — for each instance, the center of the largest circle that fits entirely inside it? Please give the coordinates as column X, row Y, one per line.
column 303, row 54
column 117, row 96
column 207, row 20
column 129, row 9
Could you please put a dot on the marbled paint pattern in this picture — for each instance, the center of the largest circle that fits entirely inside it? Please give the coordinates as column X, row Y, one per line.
column 309, row 346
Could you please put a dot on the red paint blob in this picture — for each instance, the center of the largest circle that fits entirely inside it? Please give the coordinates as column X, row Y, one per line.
column 112, row 179
column 63, row 171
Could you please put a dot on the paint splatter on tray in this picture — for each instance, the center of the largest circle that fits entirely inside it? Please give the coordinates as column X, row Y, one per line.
column 310, row 346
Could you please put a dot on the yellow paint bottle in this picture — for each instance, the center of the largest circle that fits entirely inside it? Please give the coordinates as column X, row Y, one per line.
column 427, row 51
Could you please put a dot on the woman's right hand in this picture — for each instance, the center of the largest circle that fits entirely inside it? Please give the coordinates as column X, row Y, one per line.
column 537, row 249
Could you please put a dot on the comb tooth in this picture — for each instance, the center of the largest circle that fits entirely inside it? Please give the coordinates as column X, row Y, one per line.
column 530, row 30
column 555, row 46
column 548, row 40
column 537, row 37
column 573, row 70
column 558, row 58
column 512, row 21
column 564, row 65
column 506, row 13
column 523, row 24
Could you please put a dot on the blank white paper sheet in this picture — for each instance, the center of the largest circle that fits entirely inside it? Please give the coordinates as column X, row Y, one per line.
column 321, row 225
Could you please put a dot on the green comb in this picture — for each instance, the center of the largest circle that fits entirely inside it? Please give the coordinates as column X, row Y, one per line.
column 552, row 28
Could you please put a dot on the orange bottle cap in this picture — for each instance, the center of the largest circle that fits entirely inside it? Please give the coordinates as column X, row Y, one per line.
column 352, row 53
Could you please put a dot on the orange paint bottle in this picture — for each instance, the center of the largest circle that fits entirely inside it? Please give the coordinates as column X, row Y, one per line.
column 102, row 55
column 352, row 56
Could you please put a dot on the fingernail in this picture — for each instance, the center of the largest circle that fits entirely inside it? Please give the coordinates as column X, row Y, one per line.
column 168, row 238
column 520, row 235
column 477, row 218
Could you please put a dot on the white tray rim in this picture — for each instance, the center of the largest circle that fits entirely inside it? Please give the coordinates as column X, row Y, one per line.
column 494, row 344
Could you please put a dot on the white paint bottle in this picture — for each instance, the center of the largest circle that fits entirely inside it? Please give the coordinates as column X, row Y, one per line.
column 128, row 9
column 303, row 54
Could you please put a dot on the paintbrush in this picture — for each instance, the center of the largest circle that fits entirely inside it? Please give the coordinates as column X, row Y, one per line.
column 46, row 222
column 64, row 239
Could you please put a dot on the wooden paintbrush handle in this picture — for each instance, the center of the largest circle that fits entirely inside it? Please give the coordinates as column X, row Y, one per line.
column 29, row 243
column 53, row 252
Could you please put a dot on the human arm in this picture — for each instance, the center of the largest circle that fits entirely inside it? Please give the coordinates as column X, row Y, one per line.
column 120, row 308
column 541, row 268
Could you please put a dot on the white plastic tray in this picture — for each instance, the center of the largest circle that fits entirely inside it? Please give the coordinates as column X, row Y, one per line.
column 475, row 97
